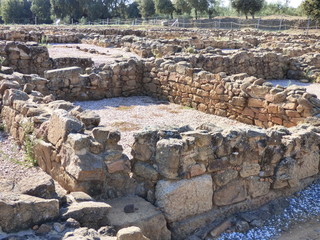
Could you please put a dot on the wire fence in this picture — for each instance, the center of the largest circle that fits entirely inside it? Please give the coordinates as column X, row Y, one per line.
column 271, row 25
column 216, row 23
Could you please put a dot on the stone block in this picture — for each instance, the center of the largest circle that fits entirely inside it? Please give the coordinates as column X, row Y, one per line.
column 145, row 216
column 233, row 192
column 88, row 213
column 61, row 123
column 195, row 193
column 20, row 211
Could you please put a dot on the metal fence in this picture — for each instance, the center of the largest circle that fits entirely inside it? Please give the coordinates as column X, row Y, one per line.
column 271, row 25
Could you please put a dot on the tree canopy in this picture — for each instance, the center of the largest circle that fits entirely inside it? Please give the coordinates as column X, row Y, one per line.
column 312, row 8
column 247, row 6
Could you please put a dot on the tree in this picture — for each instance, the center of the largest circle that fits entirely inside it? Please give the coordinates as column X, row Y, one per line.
column 247, row 6
column 41, row 10
column 164, row 7
column 312, row 8
column 198, row 6
column 16, row 11
column 182, row 6
column 146, row 8
column 133, row 11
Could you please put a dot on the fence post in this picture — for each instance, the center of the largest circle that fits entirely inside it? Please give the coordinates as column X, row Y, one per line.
column 258, row 23
column 280, row 24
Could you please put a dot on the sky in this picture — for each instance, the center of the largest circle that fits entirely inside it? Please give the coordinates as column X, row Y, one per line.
column 292, row 3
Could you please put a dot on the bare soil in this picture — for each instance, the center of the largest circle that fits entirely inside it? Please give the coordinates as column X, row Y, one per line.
column 13, row 166
column 303, row 231
column 102, row 55
column 135, row 113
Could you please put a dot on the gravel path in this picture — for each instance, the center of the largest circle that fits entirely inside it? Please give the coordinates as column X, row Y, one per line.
column 134, row 113
column 103, row 55
column 303, row 211
column 12, row 165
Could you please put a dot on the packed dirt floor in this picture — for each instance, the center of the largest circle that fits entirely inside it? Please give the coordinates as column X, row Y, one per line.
column 99, row 55
column 303, row 231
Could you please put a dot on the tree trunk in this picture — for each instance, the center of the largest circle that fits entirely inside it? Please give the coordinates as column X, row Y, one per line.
column 246, row 16
column 196, row 12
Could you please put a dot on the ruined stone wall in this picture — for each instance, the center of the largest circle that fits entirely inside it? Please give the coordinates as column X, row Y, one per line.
column 246, row 99
column 115, row 80
column 31, row 58
column 66, row 142
column 25, row 57
column 34, row 35
column 195, row 177
column 64, row 62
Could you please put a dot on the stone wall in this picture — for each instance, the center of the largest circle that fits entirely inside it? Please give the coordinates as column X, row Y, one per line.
column 25, row 57
column 246, row 99
column 31, row 58
column 215, row 171
column 66, row 142
column 34, row 35
column 115, row 80
column 64, row 62
column 195, row 177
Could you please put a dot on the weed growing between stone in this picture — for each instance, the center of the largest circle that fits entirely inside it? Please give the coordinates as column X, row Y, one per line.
column 29, row 143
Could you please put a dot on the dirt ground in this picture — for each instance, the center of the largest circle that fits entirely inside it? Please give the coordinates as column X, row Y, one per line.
column 303, row 231
column 101, row 56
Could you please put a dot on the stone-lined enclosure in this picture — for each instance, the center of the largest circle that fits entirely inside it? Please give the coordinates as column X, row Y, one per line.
column 214, row 172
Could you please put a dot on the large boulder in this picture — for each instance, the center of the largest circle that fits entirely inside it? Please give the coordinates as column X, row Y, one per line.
column 88, row 213
column 39, row 185
column 20, row 211
column 131, row 233
column 11, row 95
column 61, row 123
column 143, row 215
column 195, row 193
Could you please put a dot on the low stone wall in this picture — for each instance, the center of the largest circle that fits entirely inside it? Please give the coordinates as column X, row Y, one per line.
column 216, row 172
column 115, row 80
column 196, row 177
column 34, row 35
column 25, row 57
column 31, row 58
column 64, row 62
column 246, row 99
column 66, row 142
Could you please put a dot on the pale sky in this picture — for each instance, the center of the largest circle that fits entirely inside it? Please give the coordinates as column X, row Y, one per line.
column 292, row 3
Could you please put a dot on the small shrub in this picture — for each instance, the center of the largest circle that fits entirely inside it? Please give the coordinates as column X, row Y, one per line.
column 190, row 50
column 29, row 143
column 43, row 40
column 124, row 108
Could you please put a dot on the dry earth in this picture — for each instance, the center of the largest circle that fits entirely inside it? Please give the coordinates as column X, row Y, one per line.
column 134, row 113
column 12, row 163
column 102, row 55
column 304, row 231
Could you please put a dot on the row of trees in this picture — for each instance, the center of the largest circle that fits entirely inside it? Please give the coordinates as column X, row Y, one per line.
column 45, row 11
